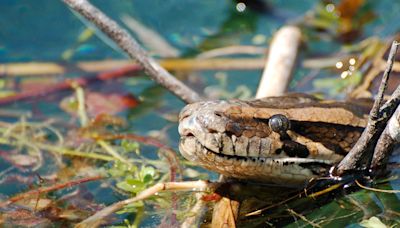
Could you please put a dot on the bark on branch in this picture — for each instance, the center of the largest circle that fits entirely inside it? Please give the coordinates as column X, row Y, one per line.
column 389, row 138
column 126, row 42
column 379, row 116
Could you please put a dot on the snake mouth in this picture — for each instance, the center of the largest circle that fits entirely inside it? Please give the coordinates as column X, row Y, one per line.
column 282, row 170
column 192, row 149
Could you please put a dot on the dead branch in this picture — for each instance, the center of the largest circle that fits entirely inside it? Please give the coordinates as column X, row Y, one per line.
column 178, row 64
column 377, row 121
column 232, row 50
column 126, row 42
column 36, row 192
column 98, row 218
column 69, row 84
column 386, row 143
column 280, row 62
column 196, row 212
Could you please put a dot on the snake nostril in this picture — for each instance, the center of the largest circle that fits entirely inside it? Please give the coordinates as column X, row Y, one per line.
column 183, row 115
column 219, row 114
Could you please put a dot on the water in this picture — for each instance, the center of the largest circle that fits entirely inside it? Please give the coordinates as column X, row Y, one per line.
column 48, row 31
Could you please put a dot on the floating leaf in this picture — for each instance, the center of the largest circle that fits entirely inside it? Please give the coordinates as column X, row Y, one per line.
column 373, row 222
column 136, row 185
column 99, row 103
column 23, row 160
column 126, row 187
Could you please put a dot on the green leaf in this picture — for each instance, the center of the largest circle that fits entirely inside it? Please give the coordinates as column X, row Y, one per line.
column 147, row 174
column 130, row 146
column 131, row 208
column 121, row 169
column 126, row 187
column 373, row 222
column 136, row 185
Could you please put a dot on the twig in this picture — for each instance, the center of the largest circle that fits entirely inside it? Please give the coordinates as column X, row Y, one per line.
column 58, row 149
column 302, row 217
column 70, row 83
column 112, row 152
column 195, row 213
column 377, row 189
column 178, row 64
column 260, row 211
column 378, row 118
column 49, row 189
column 80, row 97
column 98, row 218
column 382, row 87
column 232, row 50
column 122, row 38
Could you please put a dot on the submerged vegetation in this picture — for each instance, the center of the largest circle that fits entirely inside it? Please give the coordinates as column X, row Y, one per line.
column 81, row 129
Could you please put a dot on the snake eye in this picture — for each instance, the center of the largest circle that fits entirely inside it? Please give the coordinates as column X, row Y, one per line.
column 279, row 123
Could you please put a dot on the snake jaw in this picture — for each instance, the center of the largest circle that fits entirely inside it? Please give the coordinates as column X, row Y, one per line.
column 187, row 147
column 282, row 171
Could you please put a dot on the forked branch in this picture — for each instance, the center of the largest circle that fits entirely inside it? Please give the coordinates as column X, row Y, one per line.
column 378, row 118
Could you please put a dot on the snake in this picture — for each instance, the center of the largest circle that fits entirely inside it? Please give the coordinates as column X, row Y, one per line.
column 285, row 140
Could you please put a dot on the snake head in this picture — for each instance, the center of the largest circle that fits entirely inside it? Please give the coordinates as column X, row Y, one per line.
column 203, row 122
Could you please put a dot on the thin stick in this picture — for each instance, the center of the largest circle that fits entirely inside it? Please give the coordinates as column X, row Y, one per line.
column 122, row 38
column 59, row 149
column 97, row 219
column 382, row 87
column 55, row 187
column 377, row 189
column 70, row 83
column 195, row 213
column 232, row 50
column 80, row 97
column 112, row 152
column 302, row 217
column 179, row 64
